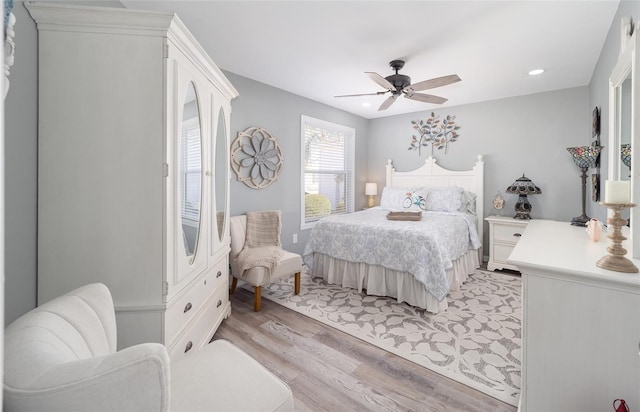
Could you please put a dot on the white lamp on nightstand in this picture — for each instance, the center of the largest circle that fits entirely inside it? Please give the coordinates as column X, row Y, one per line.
column 371, row 190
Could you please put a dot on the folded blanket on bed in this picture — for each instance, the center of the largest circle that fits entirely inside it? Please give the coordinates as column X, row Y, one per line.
column 262, row 245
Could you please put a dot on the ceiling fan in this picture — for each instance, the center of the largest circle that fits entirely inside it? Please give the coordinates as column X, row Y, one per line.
column 398, row 84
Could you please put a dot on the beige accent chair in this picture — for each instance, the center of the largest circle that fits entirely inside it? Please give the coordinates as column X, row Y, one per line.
column 289, row 264
column 62, row 356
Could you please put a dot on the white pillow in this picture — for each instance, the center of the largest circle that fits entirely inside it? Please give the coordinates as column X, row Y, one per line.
column 444, row 199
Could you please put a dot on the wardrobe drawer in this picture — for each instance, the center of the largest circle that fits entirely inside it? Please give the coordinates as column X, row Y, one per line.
column 198, row 333
column 186, row 305
column 507, row 233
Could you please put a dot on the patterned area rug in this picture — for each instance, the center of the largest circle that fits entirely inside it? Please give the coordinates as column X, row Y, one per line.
column 476, row 341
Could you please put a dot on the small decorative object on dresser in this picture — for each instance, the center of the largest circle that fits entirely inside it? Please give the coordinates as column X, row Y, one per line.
column 584, row 157
column 504, row 234
column 594, row 229
column 522, row 187
column 498, row 202
column 371, row 190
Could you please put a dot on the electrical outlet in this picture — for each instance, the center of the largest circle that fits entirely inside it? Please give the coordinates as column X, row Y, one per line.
column 295, row 238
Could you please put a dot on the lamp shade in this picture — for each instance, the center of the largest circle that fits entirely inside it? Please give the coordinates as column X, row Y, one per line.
column 585, row 156
column 370, row 189
column 524, row 186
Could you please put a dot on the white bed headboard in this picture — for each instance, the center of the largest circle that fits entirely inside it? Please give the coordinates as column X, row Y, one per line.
column 430, row 174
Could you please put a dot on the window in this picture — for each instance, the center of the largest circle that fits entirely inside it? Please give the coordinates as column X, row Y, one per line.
column 327, row 169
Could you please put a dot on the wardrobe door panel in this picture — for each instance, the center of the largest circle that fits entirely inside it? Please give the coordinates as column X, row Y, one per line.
column 188, row 172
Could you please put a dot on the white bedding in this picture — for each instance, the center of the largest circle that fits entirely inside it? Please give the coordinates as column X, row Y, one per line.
column 426, row 249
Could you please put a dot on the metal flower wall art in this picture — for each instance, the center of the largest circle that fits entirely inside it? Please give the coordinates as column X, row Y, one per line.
column 256, row 157
column 438, row 133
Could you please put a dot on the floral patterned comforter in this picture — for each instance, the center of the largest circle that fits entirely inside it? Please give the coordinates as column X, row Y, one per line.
column 424, row 248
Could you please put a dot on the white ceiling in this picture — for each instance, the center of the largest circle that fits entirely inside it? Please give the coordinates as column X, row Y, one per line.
column 319, row 49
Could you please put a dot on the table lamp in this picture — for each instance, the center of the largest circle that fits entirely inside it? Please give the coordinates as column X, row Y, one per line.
column 371, row 190
column 522, row 187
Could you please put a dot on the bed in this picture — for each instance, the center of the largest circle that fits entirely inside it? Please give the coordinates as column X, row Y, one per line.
column 417, row 262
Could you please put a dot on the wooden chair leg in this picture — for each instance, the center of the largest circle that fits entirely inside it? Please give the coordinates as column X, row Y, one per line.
column 257, row 298
column 234, row 283
column 297, row 284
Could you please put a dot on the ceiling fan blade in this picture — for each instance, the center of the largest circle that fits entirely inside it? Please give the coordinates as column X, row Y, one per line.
column 433, row 83
column 388, row 102
column 363, row 94
column 426, row 98
column 380, row 80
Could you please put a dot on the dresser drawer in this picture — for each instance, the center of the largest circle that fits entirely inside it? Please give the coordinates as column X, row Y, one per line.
column 507, row 233
column 198, row 333
column 501, row 252
column 186, row 305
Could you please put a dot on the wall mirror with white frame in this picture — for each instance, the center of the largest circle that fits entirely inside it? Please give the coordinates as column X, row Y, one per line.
column 624, row 140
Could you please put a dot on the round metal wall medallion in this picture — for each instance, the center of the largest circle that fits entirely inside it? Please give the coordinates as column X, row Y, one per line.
column 256, row 157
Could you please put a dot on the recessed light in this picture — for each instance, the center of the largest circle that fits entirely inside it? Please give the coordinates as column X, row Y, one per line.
column 366, row 104
column 536, row 72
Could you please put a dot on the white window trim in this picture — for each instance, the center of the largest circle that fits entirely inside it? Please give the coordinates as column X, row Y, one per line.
column 330, row 126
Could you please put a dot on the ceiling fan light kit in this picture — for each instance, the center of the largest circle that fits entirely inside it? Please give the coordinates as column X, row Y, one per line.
column 400, row 84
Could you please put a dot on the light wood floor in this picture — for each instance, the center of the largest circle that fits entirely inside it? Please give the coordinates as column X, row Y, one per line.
column 329, row 370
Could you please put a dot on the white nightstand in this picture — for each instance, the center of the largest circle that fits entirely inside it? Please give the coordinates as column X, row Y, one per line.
column 504, row 233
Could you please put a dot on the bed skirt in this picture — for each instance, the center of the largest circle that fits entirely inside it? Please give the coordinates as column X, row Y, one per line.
column 379, row 281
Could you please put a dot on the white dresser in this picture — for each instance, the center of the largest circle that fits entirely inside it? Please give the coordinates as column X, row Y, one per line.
column 504, row 234
column 133, row 172
column 581, row 323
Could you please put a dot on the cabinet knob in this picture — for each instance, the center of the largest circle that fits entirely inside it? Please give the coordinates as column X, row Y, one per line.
column 218, row 274
column 188, row 347
column 188, row 307
column 517, row 234
column 219, row 304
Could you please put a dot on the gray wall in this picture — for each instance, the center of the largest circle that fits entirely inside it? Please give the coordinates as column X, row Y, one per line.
column 527, row 134
column 599, row 89
column 279, row 112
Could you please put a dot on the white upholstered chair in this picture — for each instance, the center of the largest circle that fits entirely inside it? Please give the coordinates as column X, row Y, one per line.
column 289, row 264
column 62, row 356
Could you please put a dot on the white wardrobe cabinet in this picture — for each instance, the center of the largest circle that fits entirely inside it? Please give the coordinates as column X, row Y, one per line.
column 133, row 170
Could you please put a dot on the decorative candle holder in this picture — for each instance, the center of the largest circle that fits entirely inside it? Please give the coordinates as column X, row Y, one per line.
column 615, row 260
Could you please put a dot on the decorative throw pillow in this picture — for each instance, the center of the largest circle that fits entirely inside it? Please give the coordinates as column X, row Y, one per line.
column 468, row 202
column 415, row 200
column 444, row 199
column 393, row 198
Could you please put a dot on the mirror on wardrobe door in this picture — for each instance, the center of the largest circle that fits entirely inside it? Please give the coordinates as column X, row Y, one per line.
column 190, row 172
column 221, row 168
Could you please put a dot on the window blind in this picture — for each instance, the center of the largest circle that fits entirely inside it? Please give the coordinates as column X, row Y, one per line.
column 327, row 168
